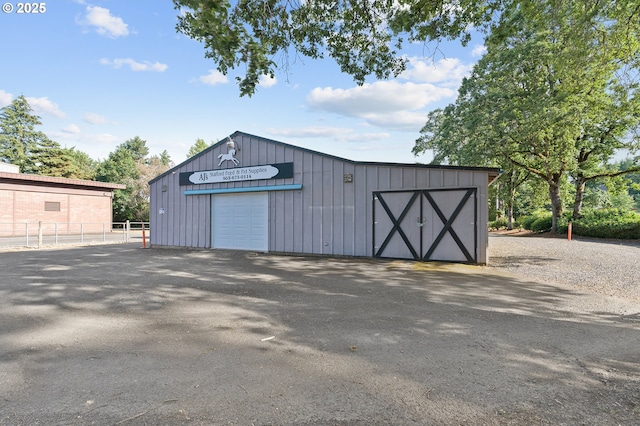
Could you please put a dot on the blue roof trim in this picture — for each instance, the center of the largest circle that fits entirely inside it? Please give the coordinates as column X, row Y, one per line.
column 247, row 189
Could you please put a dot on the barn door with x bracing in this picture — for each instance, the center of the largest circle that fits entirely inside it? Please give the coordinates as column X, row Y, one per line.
column 428, row 224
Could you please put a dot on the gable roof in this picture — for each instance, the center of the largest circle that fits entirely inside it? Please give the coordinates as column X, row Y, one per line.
column 492, row 171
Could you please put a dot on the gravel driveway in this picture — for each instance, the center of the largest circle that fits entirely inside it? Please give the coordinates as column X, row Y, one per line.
column 608, row 267
column 119, row 335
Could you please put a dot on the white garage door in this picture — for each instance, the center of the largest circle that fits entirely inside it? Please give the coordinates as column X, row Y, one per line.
column 241, row 221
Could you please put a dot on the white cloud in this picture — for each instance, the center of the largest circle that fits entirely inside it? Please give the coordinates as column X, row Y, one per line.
column 45, row 106
column 399, row 104
column 344, row 134
column 93, row 118
column 72, row 129
column 401, row 120
column 368, row 137
column 389, row 104
column 478, row 50
column 134, row 65
column 312, row 132
column 104, row 23
column 267, row 81
column 447, row 72
column 214, row 77
column 5, row 98
column 95, row 145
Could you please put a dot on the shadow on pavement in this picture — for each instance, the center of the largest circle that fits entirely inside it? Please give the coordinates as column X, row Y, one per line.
column 121, row 335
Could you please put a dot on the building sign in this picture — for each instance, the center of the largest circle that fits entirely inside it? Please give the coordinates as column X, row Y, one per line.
column 238, row 174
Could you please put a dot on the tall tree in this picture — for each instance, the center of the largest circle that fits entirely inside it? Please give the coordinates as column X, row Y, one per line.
column 121, row 167
column 199, row 146
column 85, row 166
column 363, row 37
column 547, row 95
column 19, row 139
column 50, row 159
column 129, row 164
column 165, row 159
column 141, row 194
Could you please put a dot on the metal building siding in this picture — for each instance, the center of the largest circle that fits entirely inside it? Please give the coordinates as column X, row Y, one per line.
column 327, row 216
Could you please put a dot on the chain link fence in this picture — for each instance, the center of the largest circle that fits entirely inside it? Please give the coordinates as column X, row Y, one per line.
column 47, row 234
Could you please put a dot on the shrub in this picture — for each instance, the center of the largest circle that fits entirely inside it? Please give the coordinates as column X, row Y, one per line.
column 542, row 223
column 608, row 223
column 498, row 223
column 526, row 221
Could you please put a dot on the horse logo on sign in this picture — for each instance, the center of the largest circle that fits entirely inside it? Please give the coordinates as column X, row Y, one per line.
column 230, row 155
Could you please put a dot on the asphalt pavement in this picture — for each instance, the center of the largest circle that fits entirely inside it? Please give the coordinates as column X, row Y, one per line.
column 120, row 335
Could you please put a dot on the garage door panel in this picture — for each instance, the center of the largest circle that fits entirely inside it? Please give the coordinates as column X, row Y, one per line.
column 240, row 221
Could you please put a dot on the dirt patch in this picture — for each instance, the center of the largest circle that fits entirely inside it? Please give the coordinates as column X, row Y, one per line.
column 527, row 233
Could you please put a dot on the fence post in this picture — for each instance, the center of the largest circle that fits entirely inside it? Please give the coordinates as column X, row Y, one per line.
column 127, row 226
column 144, row 237
column 39, row 234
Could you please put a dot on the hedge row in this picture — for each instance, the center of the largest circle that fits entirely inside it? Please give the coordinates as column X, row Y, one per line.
column 604, row 223
column 608, row 223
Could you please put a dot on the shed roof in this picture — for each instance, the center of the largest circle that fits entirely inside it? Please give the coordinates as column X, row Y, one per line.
column 57, row 181
column 492, row 172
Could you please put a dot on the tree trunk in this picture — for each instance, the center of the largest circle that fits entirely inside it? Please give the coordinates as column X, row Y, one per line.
column 511, row 196
column 556, row 201
column 511, row 200
column 510, row 215
column 577, row 204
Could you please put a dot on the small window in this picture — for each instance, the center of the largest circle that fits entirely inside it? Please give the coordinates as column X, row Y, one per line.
column 51, row 206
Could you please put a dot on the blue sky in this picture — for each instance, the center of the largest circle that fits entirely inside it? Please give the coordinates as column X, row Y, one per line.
column 101, row 72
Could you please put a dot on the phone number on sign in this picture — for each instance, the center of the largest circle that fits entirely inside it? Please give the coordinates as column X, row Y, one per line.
column 237, row 177
column 25, row 8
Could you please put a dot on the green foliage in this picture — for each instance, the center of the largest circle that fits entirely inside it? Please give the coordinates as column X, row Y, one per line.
column 547, row 96
column 622, row 202
column 599, row 223
column 498, row 224
column 165, row 159
column 35, row 153
column 32, row 150
column 526, row 221
column 363, row 37
column 366, row 37
column 631, row 180
column 85, row 166
column 608, row 223
column 128, row 164
column 20, row 143
column 199, row 146
column 542, row 223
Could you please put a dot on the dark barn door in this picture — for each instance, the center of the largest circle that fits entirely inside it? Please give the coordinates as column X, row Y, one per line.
column 428, row 224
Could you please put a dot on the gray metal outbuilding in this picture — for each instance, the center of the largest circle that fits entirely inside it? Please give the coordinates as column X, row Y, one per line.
column 251, row 193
